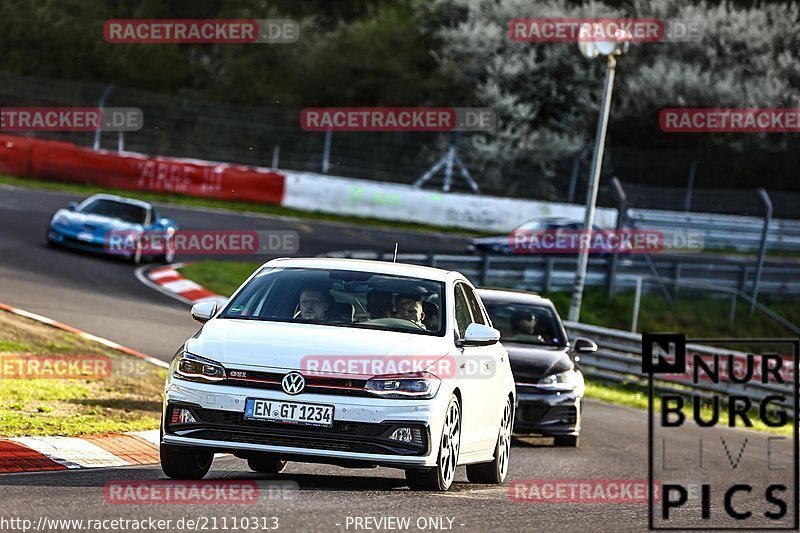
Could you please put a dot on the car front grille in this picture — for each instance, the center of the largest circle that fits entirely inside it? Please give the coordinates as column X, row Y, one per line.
column 356, row 437
column 84, row 244
column 314, row 384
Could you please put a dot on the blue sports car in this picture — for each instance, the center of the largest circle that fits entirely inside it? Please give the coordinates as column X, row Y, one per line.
column 114, row 225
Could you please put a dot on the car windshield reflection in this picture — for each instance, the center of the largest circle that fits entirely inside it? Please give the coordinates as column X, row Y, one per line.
column 341, row 298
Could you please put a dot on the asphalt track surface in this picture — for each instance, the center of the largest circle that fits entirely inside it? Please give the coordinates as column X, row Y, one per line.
column 103, row 297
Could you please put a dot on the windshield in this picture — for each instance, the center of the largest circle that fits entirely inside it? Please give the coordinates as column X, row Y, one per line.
column 532, row 225
column 342, row 298
column 132, row 213
column 525, row 323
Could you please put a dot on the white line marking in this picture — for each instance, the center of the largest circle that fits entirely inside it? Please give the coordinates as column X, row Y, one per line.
column 141, row 275
column 153, row 436
column 85, row 335
column 114, row 345
column 72, row 452
column 181, row 285
column 162, row 273
column 221, row 300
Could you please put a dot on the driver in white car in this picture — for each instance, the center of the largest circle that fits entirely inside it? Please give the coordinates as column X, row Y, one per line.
column 314, row 303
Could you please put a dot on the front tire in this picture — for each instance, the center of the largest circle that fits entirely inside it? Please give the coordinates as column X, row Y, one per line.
column 266, row 464
column 440, row 477
column 494, row 472
column 138, row 255
column 185, row 463
column 169, row 251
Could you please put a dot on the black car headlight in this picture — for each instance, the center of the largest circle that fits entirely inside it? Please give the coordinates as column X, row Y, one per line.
column 195, row 368
column 562, row 381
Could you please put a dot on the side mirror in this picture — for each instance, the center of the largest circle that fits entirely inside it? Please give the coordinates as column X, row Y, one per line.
column 584, row 345
column 72, row 206
column 164, row 222
column 203, row 311
column 479, row 335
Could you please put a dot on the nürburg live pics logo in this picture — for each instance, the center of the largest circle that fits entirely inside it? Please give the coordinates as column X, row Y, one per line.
column 722, row 445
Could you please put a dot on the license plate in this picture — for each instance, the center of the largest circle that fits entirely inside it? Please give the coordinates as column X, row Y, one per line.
column 85, row 236
column 308, row 414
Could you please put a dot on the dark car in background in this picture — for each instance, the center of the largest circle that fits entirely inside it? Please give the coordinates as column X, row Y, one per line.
column 550, row 384
column 502, row 244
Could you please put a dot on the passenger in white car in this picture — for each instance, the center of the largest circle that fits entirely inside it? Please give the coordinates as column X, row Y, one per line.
column 409, row 307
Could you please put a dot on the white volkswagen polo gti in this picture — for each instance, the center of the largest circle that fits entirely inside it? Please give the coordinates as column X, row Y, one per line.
column 345, row 362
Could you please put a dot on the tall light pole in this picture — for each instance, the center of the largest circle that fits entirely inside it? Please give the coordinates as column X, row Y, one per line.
column 610, row 49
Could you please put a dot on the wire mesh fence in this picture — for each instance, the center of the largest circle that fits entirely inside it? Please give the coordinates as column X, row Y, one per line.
column 271, row 135
column 193, row 128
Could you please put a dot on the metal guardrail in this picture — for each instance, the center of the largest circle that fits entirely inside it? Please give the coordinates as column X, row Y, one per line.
column 554, row 272
column 619, row 359
column 733, row 232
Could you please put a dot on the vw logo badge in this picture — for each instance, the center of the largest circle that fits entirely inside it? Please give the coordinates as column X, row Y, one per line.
column 293, row 383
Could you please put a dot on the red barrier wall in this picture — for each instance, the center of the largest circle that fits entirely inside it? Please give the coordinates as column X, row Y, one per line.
column 15, row 155
column 20, row 156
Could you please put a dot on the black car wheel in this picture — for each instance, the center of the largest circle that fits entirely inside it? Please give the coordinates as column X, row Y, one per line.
column 266, row 464
column 185, row 463
column 137, row 255
column 566, row 441
column 169, row 251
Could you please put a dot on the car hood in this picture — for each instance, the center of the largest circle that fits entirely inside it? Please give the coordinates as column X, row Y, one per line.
column 531, row 363
column 281, row 345
column 96, row 223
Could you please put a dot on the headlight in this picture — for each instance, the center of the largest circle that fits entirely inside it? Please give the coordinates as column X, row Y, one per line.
column 420, row 385
column 195, row 368
column 563, row 381
column 60, row 219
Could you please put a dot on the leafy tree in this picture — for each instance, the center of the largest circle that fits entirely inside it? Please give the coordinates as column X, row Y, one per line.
column 546, row 95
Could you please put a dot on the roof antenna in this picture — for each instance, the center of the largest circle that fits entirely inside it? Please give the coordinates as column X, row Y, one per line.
column 394, row 259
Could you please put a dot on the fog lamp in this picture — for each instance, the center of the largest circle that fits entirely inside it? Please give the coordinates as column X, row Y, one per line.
column 413, row 435
column 182, row 416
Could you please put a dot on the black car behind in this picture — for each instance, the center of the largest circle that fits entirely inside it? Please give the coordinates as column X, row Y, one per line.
column 550, row 385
